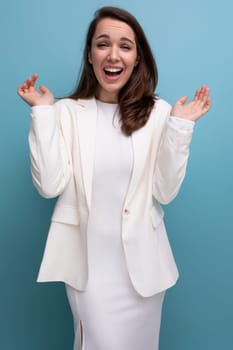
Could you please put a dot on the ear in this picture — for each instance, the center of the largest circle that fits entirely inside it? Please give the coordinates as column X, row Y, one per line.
column 137, row 61
column 89, row 58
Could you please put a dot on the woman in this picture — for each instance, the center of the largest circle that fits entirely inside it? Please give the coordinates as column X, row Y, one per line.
column 106, row 151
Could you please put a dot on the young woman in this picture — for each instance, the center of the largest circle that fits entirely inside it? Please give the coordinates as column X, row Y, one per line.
column 112, row 152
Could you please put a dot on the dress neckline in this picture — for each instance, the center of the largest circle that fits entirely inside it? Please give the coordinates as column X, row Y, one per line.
column 101, row 103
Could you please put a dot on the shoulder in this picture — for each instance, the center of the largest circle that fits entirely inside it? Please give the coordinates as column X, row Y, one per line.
column 69, row 110
column 160, row 111
column 66, row 102
column 74, row 104
column 161, row 106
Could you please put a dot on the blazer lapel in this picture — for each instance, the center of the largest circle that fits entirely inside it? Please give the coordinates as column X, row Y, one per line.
column 86, row 136
column 139, row 151
column 87, row 117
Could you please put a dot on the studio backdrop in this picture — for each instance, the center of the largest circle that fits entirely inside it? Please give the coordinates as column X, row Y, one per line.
column 192, row 43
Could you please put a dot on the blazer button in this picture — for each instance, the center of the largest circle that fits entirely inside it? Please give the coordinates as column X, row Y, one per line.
column 126, row 212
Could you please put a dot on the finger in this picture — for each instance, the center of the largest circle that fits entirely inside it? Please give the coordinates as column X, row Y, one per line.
column 22, row 92
column 35, row 76
column 200, row 98
column 205, row 95
column 26, row 84
column 22, row 88
column 206, row 106
column 201, row 94
column 208, row 103
column 43, row 89
column 182, row 100
column 207, row 92
column 197, row 95
column 31, row 81
column 204, row 92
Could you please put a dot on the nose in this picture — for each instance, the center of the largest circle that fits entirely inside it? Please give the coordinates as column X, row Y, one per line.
column 113, row 55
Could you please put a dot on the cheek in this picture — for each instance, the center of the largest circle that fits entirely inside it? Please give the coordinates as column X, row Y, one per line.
column 95, row 57
column 131, row 61
column 132, row 64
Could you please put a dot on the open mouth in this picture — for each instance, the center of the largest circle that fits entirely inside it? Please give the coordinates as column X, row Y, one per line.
column 113, row 72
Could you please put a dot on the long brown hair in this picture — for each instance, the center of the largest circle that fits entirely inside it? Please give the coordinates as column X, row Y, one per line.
column 136, row 99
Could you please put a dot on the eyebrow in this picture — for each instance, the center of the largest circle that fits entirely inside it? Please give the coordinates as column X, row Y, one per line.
column 106, row 36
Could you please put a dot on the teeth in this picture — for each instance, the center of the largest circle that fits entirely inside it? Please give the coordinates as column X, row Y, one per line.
column 113, row 70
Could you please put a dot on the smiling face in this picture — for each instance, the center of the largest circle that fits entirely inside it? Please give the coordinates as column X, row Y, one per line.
column 113, row 55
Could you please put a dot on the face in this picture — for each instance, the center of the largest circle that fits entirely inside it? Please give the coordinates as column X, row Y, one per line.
column 113, row 56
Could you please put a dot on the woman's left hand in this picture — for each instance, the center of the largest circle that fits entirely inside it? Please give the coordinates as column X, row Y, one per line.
column 196, row 108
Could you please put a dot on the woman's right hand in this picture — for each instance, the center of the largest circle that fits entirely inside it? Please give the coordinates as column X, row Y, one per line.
column 28, row 92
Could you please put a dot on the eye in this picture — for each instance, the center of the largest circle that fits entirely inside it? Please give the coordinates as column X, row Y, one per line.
column 102, row 45
column 125, row 47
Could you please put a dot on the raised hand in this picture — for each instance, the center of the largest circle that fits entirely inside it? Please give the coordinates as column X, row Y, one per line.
column 28, row 92
column 196, row 108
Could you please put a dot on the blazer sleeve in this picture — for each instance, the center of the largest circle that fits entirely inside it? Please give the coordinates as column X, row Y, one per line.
column 172, row 159
column 49, row 152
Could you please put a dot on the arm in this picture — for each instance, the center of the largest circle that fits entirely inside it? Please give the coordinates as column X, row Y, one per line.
column 174, row 146
column 49, row 152
column 171, row 160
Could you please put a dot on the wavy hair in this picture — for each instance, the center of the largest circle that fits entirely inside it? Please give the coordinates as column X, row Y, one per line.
column 137, row 98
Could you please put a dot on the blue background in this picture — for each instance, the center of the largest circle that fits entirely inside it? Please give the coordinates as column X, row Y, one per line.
column 193, row 45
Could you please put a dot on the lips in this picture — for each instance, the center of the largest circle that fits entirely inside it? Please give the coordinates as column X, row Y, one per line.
column 113, row 71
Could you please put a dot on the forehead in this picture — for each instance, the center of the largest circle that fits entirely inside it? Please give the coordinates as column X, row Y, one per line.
column 114, row 29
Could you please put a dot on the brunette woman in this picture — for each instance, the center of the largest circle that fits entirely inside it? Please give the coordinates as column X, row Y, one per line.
column 113, row 152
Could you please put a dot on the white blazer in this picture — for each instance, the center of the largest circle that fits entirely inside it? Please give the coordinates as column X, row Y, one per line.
column 62, row 143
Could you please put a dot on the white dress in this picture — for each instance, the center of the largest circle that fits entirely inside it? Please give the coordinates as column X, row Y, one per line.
column 114, row 316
